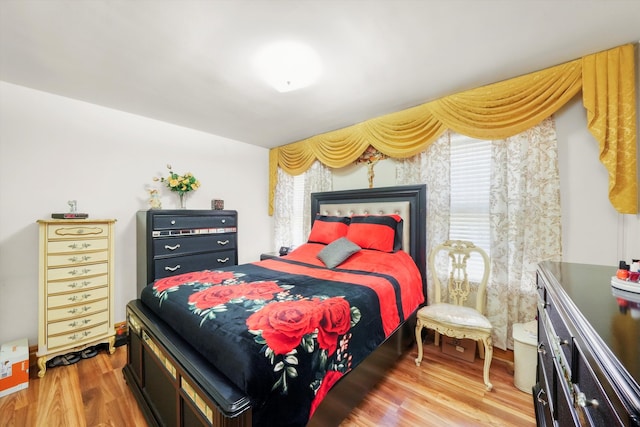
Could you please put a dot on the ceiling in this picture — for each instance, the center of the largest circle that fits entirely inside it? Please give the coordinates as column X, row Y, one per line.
column 190, row 62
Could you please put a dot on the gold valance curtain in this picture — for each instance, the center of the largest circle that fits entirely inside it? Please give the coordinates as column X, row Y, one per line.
column 498, row 111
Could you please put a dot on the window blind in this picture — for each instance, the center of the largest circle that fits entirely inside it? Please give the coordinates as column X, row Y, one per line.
column 470, row 175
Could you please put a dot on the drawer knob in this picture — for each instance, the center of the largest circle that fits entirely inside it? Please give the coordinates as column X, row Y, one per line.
column 172, row 248
column 584, row 402
column 223, row 221
column 173, row 222
column 541, row 349
column 172, row 268
column 563, row 342
column 541, row 397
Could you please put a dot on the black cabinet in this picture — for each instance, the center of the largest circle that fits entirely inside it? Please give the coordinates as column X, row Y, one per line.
column 585, row 375
column 171, row 242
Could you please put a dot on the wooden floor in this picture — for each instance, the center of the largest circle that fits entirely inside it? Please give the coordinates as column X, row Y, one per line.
column 442, row 391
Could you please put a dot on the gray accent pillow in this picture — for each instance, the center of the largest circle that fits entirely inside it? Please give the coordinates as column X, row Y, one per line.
column 337, row 251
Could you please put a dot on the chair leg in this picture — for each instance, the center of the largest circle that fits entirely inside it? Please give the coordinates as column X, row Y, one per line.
column 481, row 349
column 436, row 339
column 419, row 341
column 488, row 355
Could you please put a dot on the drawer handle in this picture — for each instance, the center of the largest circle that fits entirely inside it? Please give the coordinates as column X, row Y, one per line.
column 563, row 342
column 541, row 349
column 172, row 268
column 223, row 242
column 79, row 323
column 76, row 297
column 172, row 248
column 82, row 246
column 173, row 222
column 84, row 258
column 540, row 397
column 223, row 260
column 223, row 221
column 74, row 285
column 83, row 334
column 584, row 402
column 84, row 271
column 75, row 310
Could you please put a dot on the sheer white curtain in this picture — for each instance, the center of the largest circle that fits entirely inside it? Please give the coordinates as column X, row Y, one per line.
column 292, row 221
column 431, row 167
column 524, row 214
column 525, row 224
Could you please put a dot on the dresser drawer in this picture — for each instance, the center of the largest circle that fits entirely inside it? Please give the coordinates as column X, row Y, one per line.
column 78, row 337
column 67, row 286
column 165, row 222
column 65, row 273
column 81, row 297
column 69, row 312
column 186, row 245
column 591, row 400
column 70, row 325
column 58, row 260
column 72, row 246
column 562, row 337
column 543, row 397
column 545, row 355
column 70, row 231
column 185, row 264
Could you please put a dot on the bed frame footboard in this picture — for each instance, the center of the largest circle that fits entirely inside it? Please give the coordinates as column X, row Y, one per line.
column 175, row 386
column 172, row 383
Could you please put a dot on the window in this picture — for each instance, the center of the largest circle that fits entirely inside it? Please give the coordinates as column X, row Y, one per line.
column 470, row 171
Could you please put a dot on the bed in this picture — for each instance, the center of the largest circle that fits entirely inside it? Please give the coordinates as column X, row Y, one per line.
column 291, row 341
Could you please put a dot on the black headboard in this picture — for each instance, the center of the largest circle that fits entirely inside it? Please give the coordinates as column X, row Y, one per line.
column 416, row 195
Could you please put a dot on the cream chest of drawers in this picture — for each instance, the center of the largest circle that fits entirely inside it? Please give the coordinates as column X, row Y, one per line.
column 75, row 291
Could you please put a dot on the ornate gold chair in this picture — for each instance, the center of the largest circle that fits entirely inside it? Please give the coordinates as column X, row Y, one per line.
column 455, row 319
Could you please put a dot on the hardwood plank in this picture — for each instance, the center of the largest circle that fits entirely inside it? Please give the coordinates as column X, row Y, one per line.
column 441, row 391
column 444, row 390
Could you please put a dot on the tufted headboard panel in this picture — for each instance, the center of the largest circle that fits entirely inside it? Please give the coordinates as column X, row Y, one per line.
column 375, row 208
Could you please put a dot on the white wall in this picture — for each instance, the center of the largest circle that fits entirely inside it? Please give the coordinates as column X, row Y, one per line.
column 592, row 231
column 53, row 149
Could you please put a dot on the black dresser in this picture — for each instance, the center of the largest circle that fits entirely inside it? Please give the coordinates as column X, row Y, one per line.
column 588, row 348
column 171, row 242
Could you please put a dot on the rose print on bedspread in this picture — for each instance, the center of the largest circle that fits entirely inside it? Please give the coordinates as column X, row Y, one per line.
column 212, row 300
column 162, row 287
column 312, row 326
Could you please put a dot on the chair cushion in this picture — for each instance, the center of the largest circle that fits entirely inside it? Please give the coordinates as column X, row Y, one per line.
column 455, row 315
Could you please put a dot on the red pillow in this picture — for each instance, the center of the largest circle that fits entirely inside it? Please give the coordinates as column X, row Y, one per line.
column 379, row 232
column 326, row 229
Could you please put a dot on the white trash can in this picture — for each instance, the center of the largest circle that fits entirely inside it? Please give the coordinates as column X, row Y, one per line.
column 525, row 342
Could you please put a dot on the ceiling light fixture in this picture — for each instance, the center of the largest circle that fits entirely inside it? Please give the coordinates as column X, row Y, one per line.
column 288, row 65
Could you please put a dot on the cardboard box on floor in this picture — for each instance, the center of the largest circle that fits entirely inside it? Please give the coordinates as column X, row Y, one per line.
column 464, row 349
column 14, row 366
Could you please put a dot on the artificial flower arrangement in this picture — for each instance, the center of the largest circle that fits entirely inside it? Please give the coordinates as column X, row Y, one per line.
column 181, row 184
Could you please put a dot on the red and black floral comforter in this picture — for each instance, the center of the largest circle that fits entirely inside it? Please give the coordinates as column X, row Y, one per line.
column 286, row 330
